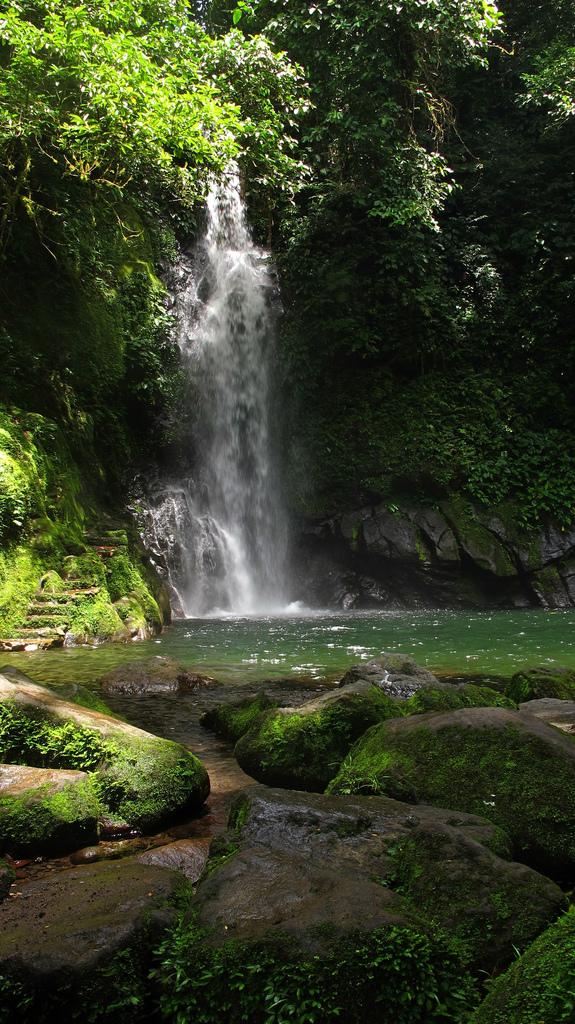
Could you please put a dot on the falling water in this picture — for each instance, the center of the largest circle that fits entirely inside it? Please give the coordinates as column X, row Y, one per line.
column 222, row 534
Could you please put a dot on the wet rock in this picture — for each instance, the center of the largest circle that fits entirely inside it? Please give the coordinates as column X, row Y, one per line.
column 508, row 765
column 395, row 674
column 188, row 856
column 46, row 810
column 109, row 851
column 154, row 675
column 560, row 713
column 305, row 861
column 69, row 923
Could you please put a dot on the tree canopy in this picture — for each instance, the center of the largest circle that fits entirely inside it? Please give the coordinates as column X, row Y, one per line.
column 134, row 95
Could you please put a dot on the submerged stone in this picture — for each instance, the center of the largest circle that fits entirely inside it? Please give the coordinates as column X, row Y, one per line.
column 154, row 675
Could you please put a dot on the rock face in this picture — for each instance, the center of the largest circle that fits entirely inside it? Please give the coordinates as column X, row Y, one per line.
column 456, row 554
column 305, row 862
column 154, row 675
column 508, row 765
column 142, row 779
column 46, row 810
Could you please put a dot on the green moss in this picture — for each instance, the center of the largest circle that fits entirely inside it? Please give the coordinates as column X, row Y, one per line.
column 548, row 584
column 538, row 683
column 147, row 781
column 540, row 987
column 466, row 696
column 125, row 580
column 303, row 750
column 489, row 925
column 20, row 571
column 232, row 720
column 394, row 974
column 486, row 550
column 518, row 781
column 95, row 618
column 41, row 821
column 141, row 780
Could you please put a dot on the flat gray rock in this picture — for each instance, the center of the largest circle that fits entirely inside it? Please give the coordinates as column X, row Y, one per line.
column 74, row 920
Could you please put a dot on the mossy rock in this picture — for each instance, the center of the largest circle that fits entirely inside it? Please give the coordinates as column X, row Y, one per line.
column 491, row 909
column 46, row 811
column 537, row 683
column 316, row 876
column 140, row 778
column 233, row 720
column 303, row 748
column 465, row 696
column 479, row 543
column 539, row 987
column 507, row 765
column 80, row 946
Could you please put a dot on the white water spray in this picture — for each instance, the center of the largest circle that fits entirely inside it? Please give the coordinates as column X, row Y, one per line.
column 222, row 535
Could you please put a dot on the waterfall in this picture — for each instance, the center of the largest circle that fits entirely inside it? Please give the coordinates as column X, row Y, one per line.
column 221, row 535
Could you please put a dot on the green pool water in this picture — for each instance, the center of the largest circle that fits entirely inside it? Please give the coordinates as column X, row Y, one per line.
column 322, row 645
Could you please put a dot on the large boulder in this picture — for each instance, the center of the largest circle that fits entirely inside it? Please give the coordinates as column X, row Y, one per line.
column 537, row 988
column 302, row 747
column 141, row 778
column 46, row 810
column 77, row 945
column 508, row 765
column 312, row 866
column 154, row 675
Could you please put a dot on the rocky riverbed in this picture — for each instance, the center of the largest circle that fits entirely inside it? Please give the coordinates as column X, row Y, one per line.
column 412, row 891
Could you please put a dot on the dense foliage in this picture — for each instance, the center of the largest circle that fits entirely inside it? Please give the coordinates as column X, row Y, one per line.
column 113, row 117
column 427, row 266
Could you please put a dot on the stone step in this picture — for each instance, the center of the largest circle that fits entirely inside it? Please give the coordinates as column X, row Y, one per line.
column 65, row 596
column 51, row 622
column 60, row 611
column 42, row 631
column 35, row 642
